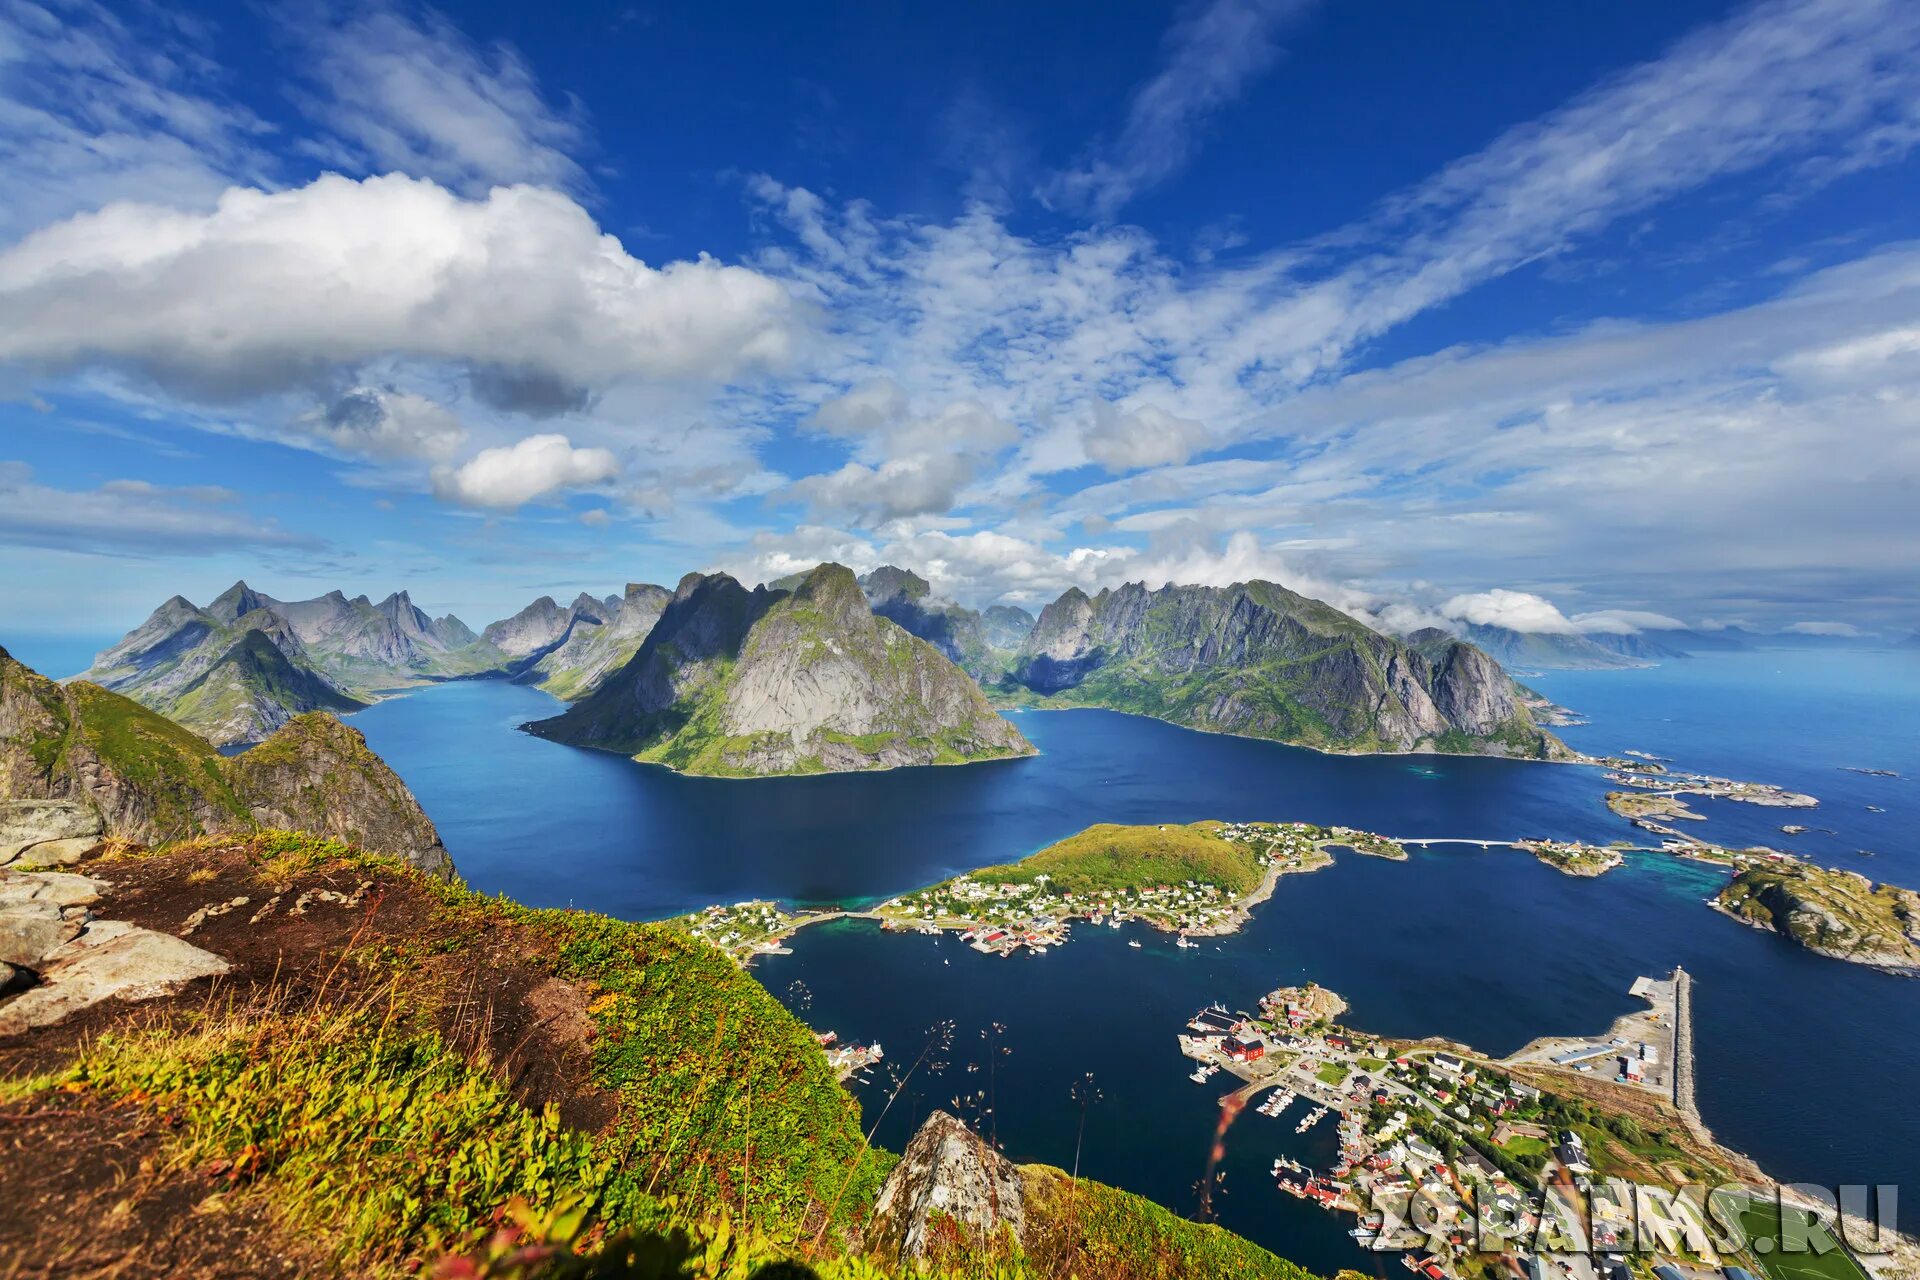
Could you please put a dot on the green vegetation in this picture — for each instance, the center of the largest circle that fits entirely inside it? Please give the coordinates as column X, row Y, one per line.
column 1114, row 858
column 1814, row 1253
column 179, row 770
column 1332, row 1073
column 1122, row 1235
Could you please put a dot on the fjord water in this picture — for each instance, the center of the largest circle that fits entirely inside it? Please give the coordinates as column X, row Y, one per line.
column 1810, row 1065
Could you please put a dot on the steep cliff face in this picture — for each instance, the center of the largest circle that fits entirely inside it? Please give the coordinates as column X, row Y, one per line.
column 1258, row 659
column 738, row 682
column 84, row 750
column 980, row 644
column 318, row 775
column 247, row 663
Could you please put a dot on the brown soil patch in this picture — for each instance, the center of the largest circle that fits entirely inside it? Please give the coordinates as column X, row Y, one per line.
column 89, row 1192
column 89, row 1182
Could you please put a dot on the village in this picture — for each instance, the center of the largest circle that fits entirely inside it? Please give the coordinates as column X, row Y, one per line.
column 1463, row 1167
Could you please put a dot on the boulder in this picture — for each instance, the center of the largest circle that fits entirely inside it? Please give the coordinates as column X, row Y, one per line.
column 61, row 888
column 110, row 959
column 32, row 931
column 949, row 1170
column 25, row 823
column 57, row 853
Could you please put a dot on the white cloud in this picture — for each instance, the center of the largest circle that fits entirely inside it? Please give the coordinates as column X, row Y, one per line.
column 271, row 291
column 1841, row 629
column 1624, row 622
column 132, row 517
column 891, row 490
column 417, row 97
column 510, row 477
column 381, row 422
column 1211, row 55
column 1149, row 436
column 1517, row 610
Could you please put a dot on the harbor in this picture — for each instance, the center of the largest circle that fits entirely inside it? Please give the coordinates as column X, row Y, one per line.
column 1434, row 1139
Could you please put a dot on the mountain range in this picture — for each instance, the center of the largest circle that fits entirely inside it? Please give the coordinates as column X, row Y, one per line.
column 569, row 651
column 981, row 644
column 812, row 672
column 805, row 678
column 247, row 663
column 1257, row 659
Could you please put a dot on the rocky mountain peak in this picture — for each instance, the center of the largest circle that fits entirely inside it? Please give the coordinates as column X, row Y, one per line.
column 891, row 582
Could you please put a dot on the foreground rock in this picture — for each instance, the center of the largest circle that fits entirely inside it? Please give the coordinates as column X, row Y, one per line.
column 48, row 829
column 947, row 1172
column 733, row 682
column 78, row 763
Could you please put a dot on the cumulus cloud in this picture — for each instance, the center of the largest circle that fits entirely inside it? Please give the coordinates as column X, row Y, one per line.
column 272, row 290
column 132, row 517
column 905, row 463
column 1149, row 436
column 381, row 422
column 414, row 95
column 1516, row 610
column 514, row 475
column 892, row 490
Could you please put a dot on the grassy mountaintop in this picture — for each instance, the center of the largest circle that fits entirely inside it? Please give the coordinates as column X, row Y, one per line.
column 151, row 780
column 1108, row 856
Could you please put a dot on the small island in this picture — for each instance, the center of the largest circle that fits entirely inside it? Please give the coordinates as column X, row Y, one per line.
column 1840, row 914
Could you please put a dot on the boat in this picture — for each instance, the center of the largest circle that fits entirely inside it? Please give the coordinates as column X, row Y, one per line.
column 1134, row 943
column 1312, row 1118
column 1198, row 1075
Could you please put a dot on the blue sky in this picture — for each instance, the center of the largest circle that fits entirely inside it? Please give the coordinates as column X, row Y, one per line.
column 1567, row 316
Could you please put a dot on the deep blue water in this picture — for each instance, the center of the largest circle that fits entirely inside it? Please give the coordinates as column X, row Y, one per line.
column 1810, row 1065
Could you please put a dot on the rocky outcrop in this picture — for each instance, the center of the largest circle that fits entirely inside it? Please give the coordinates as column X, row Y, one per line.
column 1257, row 659
column 247, row 663
column 947, row 1178
column 51, row 944
column 78, row 763
column 1840, row 914
column 744, row 683
column 1548, row 650
column 318, row 775
column 48, row 830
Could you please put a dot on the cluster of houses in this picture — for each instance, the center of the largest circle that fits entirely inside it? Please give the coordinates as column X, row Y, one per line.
column 741, row 929
column 1400, row 1108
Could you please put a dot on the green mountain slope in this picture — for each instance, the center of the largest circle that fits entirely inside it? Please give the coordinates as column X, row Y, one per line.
column 745, row 683
column 1260, row 660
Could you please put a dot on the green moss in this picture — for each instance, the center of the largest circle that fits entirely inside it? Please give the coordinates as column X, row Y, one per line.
column 179, row 770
